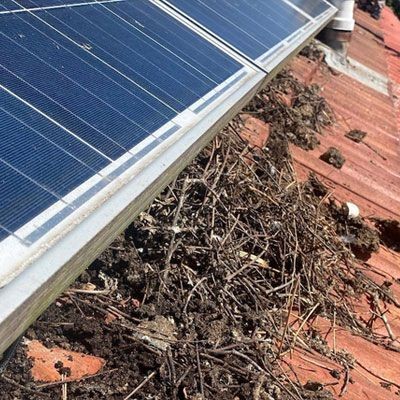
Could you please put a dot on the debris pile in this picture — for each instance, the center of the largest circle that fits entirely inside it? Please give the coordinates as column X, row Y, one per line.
column 334, row 157
column 389, row 233
column 356, row 135
column 198, row 299
column 313, row 52
column 296, row 112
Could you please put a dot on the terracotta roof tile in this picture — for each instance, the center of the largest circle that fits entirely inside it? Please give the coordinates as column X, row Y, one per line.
column 367, row 38
column 391, row 28
column 371, row 179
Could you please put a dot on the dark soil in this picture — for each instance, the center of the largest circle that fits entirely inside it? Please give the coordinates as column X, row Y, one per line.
column 297, row 113
column 195, row 294
column 362, row 239
column 389, row 231
column 316, row 186
column 334, row 157
column 312, row 52
column 356, row 135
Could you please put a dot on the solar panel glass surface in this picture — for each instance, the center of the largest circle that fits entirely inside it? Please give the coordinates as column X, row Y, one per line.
column 81, row 86
column 30, row 4
column 251, row 26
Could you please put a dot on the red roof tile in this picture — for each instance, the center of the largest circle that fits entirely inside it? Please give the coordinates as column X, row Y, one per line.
column 371, row 179
column 367, row 39
column 391, row 28
column 371, row 175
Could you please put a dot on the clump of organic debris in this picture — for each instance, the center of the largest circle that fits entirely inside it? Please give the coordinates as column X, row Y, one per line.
column 334, row 157
column 297, row 113
column 356, row 135
column 362, row 239
column 194, row 301
column 389, row 231
column 316, row 186
column 313, row 52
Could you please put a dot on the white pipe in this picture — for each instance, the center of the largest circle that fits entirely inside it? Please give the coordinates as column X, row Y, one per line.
column 344, row 19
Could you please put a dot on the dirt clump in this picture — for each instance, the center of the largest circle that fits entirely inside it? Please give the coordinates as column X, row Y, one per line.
column 312, row 52
column 356, row 135
column 334, row 157
column 389, row 233
column 362, row 239
column 316, row 390
column 316, row 186
column 298, row 120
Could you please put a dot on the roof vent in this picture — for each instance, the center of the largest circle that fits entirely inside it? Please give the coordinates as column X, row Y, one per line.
column 338, row 33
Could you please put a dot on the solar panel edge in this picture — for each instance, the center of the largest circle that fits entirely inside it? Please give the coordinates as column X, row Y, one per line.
column 67, row 258
column 310, row 7
column 272, row 61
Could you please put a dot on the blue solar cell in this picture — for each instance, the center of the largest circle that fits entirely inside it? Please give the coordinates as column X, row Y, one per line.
column 39, row 159
column 20, row 199
column 311, row 7
column 20, row 4
column 36, row 93
column 3, row 234
column 52, row 132
column 176, row 37
column 145, row 113
column 253, row 27
column 9, row 5
column 147, row 18
column 82, row 86
column 129, row 51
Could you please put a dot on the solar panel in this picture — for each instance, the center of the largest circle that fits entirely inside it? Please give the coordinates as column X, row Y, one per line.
column 89, row 90
column 264, row 31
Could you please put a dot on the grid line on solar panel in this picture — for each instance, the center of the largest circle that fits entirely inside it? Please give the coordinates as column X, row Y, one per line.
column 254, row 32
column 103, row 43
column 204, row 76
column 84, row 109
column 38, row 71
column 24, row 5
